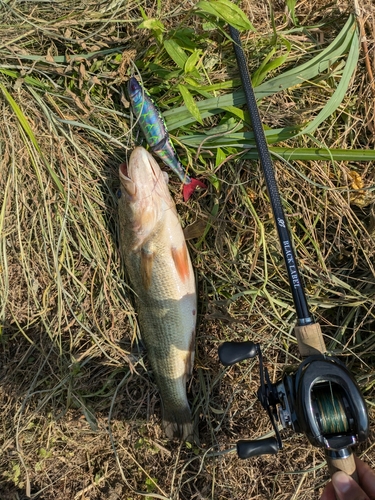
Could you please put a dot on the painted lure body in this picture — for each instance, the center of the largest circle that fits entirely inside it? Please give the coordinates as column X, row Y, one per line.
column 155, row 131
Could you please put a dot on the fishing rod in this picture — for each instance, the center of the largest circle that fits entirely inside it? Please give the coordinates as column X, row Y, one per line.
column 321, row 398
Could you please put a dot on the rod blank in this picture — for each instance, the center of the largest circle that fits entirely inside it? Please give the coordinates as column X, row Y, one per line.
column 299, row 298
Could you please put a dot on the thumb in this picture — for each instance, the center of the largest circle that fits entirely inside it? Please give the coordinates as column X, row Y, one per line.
column 346, row 488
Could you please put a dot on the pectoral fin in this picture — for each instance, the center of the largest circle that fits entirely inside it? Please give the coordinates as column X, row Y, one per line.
column 181, row 261
column 147, row 260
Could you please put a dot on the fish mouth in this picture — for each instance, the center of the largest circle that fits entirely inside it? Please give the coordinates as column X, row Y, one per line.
column 140, row 176
column 124, row 170
column 126, row 181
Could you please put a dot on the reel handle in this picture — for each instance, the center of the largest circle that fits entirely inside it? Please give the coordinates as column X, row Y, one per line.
column 255, row 447
column 231, row 353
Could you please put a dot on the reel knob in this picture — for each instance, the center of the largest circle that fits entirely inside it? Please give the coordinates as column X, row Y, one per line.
column 231, row 353
column 255, row 447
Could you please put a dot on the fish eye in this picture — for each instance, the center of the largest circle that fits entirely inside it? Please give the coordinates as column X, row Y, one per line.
column 118, row 193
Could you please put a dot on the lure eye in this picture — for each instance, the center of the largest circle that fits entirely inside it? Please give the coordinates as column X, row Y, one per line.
column 133, row 85
column 118, row 193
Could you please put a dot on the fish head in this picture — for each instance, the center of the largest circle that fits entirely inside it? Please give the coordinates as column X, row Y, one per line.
column 145, row 196
column 135, row 91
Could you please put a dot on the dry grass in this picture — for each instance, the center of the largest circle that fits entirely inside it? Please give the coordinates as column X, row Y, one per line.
column 80, row 413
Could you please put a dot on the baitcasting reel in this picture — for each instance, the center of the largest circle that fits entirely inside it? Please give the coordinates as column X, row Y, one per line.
column 321, row 399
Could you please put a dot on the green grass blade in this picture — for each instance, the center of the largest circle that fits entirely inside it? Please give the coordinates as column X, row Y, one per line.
column 26, row 78
column 73, row 57
column 312, row 68
column 21, row 117
column 180, row 117
column 270, row 64
column 237, row 139
column 291, row 5
column 339, row 94
column 312, row 154
column 30, row 134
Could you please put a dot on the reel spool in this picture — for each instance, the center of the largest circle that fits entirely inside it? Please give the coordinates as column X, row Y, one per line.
column 321, row 400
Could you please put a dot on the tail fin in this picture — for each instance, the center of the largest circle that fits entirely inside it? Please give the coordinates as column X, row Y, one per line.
column 188, row 189
column 178, row 424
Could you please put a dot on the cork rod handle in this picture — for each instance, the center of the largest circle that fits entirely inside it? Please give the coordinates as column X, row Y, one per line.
column 345, row 464
column 310, row 339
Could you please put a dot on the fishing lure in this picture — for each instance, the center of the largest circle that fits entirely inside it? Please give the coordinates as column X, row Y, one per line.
column 155, row 131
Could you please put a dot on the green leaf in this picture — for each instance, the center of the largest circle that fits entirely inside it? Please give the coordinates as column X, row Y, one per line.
column 275, row 63
column 226, row 11
column 208, row 26
column 256, row 77
column 186, row 38
column 28, row 131
column 156, row 26
column 240, row 113
column 143, row 13
column 16, row 473
column 315, row 154
column 151, row 484
column 192, row 60
column 21, row 117
column 220, row 157
column 70, row 58
column 270, row 64
column 45, row 453
column 26, row 78
column 152, row 24
column 190, row 103
column 176, row 53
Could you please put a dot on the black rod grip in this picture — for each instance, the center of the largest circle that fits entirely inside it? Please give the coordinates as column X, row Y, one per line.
column 234, row 352
column 256, row 447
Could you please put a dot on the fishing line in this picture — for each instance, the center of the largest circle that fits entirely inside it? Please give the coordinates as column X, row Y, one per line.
column 331, row 410
column 299, row 298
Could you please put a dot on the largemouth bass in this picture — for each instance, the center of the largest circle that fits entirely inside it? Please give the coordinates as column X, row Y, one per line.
column 160, row 271
column 155, row 131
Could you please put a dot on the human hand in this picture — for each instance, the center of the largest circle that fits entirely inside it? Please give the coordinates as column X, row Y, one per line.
column 343, row 487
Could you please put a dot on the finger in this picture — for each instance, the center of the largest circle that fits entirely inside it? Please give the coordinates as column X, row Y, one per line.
column 366, row 478
column 328, row 492
column 346, row 488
